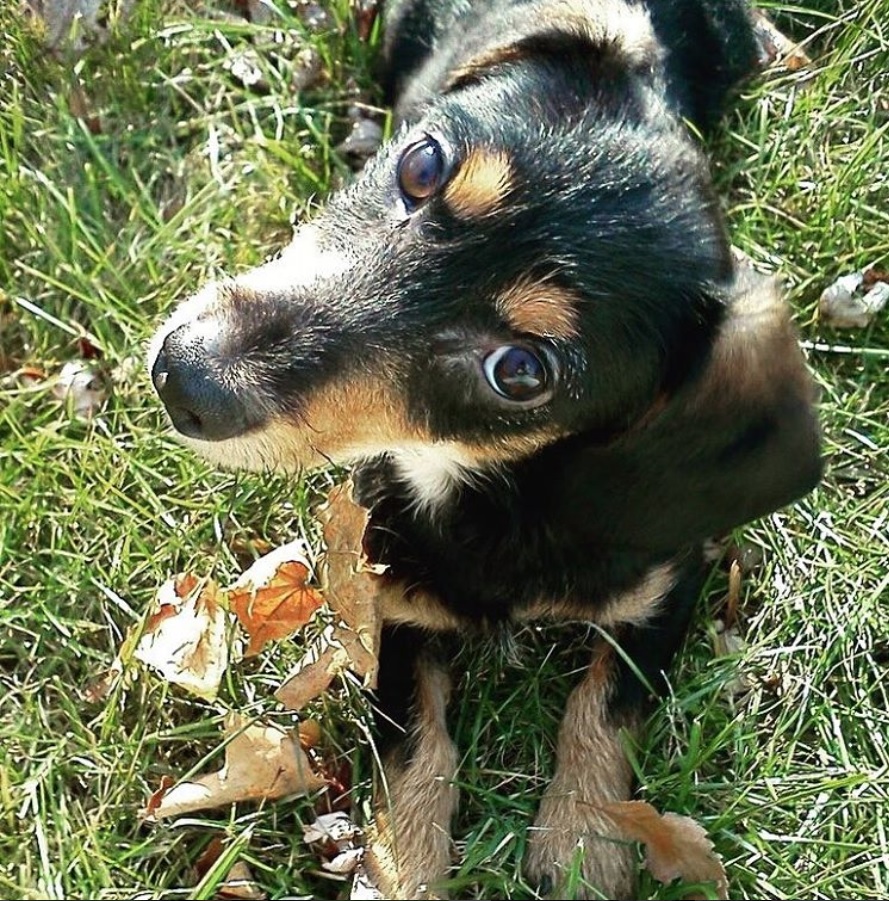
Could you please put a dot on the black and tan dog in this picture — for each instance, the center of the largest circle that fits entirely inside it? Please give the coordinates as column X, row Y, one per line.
column 524, row 324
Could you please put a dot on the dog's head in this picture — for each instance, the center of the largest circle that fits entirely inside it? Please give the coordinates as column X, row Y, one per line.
column 536, row 254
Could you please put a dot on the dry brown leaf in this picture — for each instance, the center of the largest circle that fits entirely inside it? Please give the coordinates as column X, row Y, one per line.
column 340, row 649
column 188, row 637
column 309, row 732
column 310, row 678
column 240, row 885
column 153, row 802
column 262, row 762
column 352, row 585
column 733, row 598
column 344, row 523
column 676, row 847
column 272, row 599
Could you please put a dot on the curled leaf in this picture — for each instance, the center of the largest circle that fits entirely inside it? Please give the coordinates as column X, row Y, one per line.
column 262, row 762
column 676, row 847
column 272, row 599
column 187, row 638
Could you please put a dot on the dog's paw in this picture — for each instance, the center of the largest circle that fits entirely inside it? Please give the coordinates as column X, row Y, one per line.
column 572, row 859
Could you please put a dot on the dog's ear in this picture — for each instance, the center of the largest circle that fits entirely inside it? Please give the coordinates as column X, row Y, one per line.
column 745, row 440
column 710, row 48
column 737, row 441
column 703, row 48
column 599, row 31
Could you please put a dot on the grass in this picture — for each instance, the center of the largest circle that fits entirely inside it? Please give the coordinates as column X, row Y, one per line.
column 132, row 173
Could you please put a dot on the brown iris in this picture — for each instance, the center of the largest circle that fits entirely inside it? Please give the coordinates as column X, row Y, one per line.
column 420, row 171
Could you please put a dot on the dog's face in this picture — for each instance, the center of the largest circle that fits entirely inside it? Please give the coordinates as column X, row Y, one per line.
column 508, row 270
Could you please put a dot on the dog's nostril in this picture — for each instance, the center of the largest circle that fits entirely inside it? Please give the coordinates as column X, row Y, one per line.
column 186, row 376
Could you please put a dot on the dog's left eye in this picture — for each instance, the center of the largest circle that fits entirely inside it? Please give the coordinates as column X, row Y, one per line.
column 518, row 373
column 421, row 171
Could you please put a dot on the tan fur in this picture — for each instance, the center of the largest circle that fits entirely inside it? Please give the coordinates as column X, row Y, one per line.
column 591, row 770
column 540, row 308
column 632, row 607
column 480, row 185
column 756, row 359
column 417, row 608
column 409, row 848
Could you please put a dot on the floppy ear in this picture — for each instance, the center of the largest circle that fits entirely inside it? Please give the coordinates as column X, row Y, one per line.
column 703, row 48
column 737, row 441
column 710, row 48
column 748, row 423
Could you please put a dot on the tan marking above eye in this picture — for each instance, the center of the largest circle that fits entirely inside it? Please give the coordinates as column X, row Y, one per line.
column 480, row 184
column 540, row 308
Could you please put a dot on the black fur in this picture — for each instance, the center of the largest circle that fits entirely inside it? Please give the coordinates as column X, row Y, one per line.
column 677, row 406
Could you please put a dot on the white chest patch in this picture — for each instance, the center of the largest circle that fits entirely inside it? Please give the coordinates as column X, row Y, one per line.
column 434, row 472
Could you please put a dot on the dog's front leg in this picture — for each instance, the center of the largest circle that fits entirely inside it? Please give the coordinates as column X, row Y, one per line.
column 409, row 843
column 573, row 852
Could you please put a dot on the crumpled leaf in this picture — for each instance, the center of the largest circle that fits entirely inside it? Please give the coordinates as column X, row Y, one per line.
column 344, row 523
column 272, row 599
column 262, row 762
column 339, row 842
column 82, row 386
column 338, row 650
column 854, row 300
column 187, row 638
column 363, row 140
column 676, row 847
column 351, row 586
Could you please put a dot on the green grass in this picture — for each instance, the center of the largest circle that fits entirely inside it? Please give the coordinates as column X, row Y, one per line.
column 177, row 172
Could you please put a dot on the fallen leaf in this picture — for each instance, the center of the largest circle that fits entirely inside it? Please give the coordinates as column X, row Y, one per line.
column 187, row 639
column 365, row 13
column 337, row 828
column 82, row 386
column 238, row 883
column 262, row 763
column 676, row 847
column 733, row 598
column 309, row 732
column 245, row 65
column 272, row 599
column 99, row 689
column 854, row 300
column 310, row 678
column 345, row 862
column 154, row 801
column 351, row 584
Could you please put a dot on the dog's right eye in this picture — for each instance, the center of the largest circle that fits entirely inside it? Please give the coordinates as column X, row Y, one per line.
column 420, row 171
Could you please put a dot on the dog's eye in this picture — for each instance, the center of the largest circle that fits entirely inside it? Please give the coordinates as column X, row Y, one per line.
column 421, row 171
column 517, row 373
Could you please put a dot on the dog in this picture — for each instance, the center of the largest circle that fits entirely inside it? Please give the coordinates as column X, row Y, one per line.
column 524, row 327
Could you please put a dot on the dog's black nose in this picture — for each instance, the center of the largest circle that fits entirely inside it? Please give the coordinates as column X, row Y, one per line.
column 187, row 376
